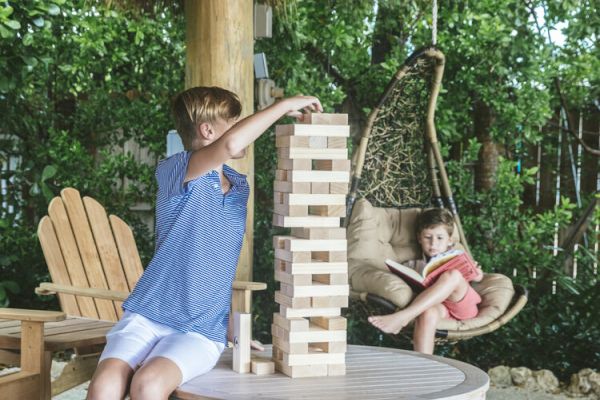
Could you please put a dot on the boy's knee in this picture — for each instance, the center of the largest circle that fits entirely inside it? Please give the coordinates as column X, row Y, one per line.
column 148, row 382
column 99, row 390
column 429, row 317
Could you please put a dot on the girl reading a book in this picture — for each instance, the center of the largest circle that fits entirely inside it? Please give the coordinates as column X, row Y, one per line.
column 450, row 296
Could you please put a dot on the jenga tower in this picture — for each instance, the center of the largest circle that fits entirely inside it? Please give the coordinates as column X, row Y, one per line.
column 313, row 172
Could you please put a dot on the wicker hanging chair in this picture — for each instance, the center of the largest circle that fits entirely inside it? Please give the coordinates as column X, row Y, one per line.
column 397, row 171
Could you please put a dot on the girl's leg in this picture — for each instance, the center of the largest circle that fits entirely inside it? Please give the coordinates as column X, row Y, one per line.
column 156, row 379
column 450, row 286
column 110, row 380
column 425, row 324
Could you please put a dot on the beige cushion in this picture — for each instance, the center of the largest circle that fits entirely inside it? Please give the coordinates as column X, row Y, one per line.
column 375, row 234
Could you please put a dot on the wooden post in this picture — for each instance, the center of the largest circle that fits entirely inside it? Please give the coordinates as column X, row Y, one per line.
column 219, row 52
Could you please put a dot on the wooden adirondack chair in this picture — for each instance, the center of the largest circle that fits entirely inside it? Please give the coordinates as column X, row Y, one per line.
column 94, row 264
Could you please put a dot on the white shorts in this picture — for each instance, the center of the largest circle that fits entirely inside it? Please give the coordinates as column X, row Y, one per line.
column 136, row 339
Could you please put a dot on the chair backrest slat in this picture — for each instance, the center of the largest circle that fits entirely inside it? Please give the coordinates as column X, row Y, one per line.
column 70, row 253
column 56, row 264
column 87, row 250
column 130, row 258
column 107, row 248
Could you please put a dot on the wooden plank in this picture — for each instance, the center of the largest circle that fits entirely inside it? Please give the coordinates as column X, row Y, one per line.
column 312, row 154
column 319, row 188
column 287, row 312
column 315, row 290
column 292, row 302
column 242, row 331
column 315, row 334
column 285, row 346
column 293, row 244
column 317, row 142
column 70, row 253
column 301, row 371
column 332, row 165
column 319, row 233
column 31, row 315
column 337, row 143
column 325, row 119
column 290, row 210
column 305, row 222
column 263, row 367
column 329, row 347
column 297, row 256
column 289, row 279
column 339, row 188
column 330, row 256
column 87, row 250
column 128, row 252
column 318, row 267
column 296, row 164
column 327, row 211
column 315, row 358
column 292, row 141
column 21, row 385
column 312, row 130
column 309, row 199
column 331, row 279
column 329, row 301
column 107, row 249
column 295, row 324
column 313, row 176
column 56, row 264
column 292, row 187
column 330, row 323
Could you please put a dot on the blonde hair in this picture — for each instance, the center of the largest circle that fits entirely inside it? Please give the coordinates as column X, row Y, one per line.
column 202, row 104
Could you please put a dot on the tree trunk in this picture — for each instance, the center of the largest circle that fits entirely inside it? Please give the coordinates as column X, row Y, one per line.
column 487, row 162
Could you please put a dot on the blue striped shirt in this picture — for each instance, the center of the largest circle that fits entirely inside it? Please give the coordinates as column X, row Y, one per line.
column 199, row 233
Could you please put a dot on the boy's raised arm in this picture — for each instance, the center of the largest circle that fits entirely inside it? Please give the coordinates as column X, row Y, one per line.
column 246, row 131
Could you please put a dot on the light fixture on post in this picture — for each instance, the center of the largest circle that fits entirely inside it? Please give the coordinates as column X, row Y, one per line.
column 265, row 90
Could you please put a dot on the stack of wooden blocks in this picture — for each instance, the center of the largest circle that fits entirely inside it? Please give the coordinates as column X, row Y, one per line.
column 312, row 177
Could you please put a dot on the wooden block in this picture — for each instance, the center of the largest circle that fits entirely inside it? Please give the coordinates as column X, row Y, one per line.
column 312, row 130
column 337, row 143
column 312, row 176
column 325, row 119
column 318, row 142
column 313, row 358
column 263, row 366
column 291, row 324
column 316, row 334
column 302, row 371
column 331, row 279
column 297, row 256
column 311, row 267
column 290, row 210
column 339, row 188
column 312, row 154
column 336, row 369
column 319, row 188
column 242, row 331
column 309, row 199
column 329, row 347
column 327, row 211
column 333, row 323
column 290, row 348
column 329, row 301
column 332, row 165
column 292, row 302
column 330, row 256
column 293, row 141
column 293, row 187
column 289, row 279
column 287, row 312
column 291, row 243
column 306, row 222
column 286, row 163
column 315, row 290
column 319, row 233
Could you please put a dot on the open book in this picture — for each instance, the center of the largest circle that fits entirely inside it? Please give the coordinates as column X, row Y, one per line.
column 453, row 259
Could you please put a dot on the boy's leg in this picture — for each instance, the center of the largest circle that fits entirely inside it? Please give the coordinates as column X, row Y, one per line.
column 156, row 379
column 450, row 286
column 425, row 324
column 110, row 380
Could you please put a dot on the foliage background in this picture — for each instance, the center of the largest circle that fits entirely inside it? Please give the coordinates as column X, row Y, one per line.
column 78, row 79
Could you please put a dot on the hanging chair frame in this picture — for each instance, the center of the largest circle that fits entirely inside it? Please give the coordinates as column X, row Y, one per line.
column 441, row 193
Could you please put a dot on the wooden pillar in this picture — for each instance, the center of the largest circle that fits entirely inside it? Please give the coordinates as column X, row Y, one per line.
column 220, row 47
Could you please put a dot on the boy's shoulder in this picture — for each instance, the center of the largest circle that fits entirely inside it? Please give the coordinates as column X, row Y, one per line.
column 234, row 176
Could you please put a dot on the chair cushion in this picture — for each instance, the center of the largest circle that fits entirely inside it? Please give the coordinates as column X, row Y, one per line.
column 375, row 234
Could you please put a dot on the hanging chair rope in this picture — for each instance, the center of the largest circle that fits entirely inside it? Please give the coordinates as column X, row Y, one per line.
column 434, row 23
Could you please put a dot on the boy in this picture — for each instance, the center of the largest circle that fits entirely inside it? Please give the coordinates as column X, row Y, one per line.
column 451, row 296
column 175, row 323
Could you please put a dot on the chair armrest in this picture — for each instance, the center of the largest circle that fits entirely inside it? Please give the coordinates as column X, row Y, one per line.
column 31, row 315
column 47, row 288
column 245, row 285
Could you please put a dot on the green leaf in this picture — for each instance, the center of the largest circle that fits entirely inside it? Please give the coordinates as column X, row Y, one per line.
column 53, row 9
column 48, row 172
column 11, row 23
column 39, row 22
column 11, row 286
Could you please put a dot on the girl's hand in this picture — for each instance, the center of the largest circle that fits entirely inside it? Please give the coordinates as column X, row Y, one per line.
column 305, row 103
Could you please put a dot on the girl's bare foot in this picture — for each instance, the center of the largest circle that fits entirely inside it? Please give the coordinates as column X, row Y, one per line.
column 392, row 323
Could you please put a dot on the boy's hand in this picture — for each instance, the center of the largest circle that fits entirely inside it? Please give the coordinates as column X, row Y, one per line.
column 256, row 345
column 306, row 103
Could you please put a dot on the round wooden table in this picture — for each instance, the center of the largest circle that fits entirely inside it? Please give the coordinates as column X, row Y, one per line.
column 371, row 373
